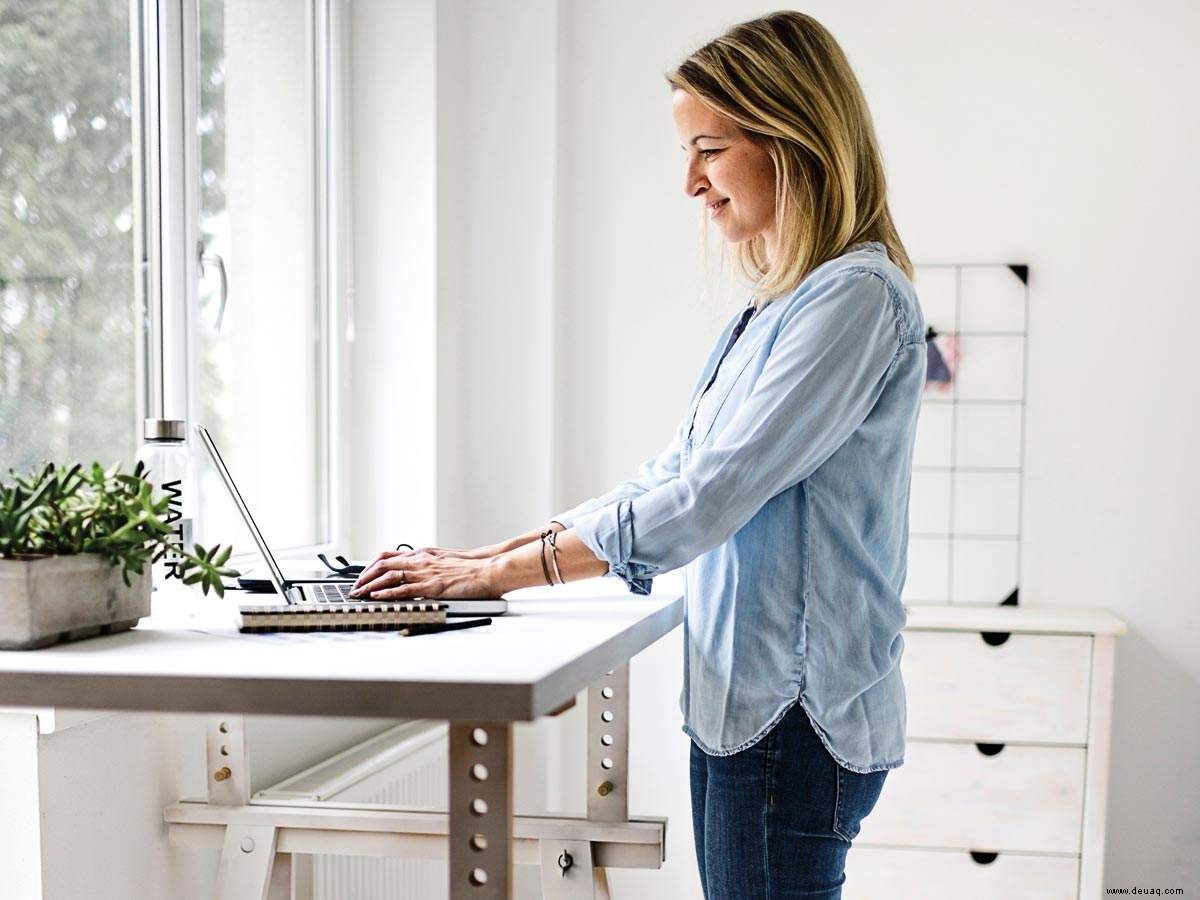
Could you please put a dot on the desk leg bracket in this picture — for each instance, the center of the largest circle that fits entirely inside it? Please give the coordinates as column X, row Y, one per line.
column 608, row 747
column 481, row 811
column 569, row 872
column 228, row 775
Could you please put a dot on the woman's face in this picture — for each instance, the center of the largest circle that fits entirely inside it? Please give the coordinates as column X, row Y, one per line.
column 730, row 174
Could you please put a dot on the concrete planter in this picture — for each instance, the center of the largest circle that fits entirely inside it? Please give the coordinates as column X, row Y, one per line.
column 66, row 598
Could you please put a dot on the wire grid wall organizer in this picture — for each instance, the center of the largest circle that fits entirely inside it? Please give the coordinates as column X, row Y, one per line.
column 968, row 463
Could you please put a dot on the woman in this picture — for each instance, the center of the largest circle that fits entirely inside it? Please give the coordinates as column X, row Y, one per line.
column 785, row 490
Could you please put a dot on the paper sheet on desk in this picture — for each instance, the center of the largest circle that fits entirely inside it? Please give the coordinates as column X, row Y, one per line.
column 301, row 637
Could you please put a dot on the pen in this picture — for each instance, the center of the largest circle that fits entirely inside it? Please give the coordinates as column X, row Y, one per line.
column 415, row 630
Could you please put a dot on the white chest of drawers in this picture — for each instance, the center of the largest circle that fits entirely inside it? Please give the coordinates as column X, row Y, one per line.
column 1004, row 786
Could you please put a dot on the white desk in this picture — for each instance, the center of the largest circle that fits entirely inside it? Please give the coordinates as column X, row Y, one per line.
column 531, row 662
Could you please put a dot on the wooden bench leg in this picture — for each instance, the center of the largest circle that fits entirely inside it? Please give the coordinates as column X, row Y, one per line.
column 246, row 861
column 300, row 876
column 291, row 877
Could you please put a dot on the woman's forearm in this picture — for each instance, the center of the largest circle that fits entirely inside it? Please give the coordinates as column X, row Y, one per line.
column 527, row 538
column 522, row 566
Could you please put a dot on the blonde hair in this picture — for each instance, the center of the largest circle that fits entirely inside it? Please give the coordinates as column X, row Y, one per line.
column 784, row 80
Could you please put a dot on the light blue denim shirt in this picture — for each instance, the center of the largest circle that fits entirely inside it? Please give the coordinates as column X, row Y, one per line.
column 784, row 494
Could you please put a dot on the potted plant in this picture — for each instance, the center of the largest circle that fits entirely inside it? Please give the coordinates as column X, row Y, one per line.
column 75, row 549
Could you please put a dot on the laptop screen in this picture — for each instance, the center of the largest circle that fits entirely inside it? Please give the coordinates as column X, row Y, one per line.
column 272, row 566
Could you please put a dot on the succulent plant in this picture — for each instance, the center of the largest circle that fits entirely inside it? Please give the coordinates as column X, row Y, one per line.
column 64, row 511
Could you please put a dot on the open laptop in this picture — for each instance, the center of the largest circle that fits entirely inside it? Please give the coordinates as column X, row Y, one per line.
column 323, row 592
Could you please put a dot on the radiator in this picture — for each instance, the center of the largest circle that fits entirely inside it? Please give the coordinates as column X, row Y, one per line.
column 404, row 766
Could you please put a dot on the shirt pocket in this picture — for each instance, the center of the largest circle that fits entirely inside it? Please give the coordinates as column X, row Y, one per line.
column 714, row 409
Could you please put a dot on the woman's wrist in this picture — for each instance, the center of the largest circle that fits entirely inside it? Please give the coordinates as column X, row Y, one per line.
column 509, row 572
column 527, row 538
column 522, row 567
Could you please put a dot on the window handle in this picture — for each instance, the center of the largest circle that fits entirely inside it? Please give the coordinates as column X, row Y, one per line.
column 213, row 259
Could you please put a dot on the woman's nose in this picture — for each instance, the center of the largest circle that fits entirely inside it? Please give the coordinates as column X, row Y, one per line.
column 694, row 182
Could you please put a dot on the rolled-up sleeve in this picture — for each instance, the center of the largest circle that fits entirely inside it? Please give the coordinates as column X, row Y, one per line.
column 609, row 533
column 827, row 367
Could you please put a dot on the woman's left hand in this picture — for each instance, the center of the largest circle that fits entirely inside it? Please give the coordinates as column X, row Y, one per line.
column 416, row 574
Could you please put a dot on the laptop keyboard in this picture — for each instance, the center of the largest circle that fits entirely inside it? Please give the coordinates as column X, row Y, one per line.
column 329, row 593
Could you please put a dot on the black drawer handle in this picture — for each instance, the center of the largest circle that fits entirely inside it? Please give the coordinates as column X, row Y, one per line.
column 983, row 857
column 988, row 749
column 995, row 638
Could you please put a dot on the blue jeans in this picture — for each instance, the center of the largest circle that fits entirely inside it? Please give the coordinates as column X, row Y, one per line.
column 776, row 820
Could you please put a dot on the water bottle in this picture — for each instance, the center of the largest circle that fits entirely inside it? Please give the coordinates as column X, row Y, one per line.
column 165, row 454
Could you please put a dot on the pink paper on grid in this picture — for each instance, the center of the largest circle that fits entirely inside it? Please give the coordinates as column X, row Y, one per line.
column 947, row 346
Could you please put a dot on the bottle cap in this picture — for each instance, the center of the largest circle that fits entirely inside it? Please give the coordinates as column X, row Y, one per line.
column 164, row 430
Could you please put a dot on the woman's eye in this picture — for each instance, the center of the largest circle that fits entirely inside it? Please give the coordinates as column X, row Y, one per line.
column 708, row 153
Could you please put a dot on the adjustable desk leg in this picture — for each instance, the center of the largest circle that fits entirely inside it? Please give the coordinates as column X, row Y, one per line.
column 481, row 811
column 228, row 775
column 248, row 852
column 608, row 747
column 568, row 868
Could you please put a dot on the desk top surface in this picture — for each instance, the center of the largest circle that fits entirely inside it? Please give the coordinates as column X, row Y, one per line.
column 549, row 646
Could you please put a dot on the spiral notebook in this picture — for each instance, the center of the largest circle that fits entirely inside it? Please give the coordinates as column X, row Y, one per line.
column 347, row 616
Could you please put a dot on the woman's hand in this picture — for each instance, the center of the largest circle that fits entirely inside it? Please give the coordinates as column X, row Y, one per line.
column 441, row 572
column 430, row 572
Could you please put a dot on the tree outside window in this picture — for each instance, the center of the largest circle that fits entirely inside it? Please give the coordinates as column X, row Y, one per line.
column 68, row 329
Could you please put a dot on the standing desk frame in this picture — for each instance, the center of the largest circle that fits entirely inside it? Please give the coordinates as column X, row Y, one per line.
column 531, row 662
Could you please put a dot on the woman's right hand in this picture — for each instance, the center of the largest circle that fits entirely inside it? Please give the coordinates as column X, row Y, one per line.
column 485, row 552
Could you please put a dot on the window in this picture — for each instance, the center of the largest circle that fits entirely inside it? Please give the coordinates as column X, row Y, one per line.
column 164, row 217
column 259, row 342
column 70, row 341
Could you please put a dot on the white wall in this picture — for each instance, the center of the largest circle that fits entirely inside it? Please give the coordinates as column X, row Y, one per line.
column 393, row 361
column 1058, row 135
column 496, row 79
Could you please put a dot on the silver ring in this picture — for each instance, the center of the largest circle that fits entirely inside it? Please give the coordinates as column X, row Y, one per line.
column 403, row 580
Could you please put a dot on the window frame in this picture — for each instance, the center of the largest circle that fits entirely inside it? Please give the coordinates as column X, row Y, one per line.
column 165, row 51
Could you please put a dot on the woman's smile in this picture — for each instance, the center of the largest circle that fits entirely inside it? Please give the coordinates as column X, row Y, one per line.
column 716, row 207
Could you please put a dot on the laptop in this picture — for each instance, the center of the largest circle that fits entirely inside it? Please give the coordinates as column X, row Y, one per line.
column 332, row 591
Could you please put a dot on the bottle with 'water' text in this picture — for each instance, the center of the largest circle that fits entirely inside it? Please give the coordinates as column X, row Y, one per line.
column 169, row 464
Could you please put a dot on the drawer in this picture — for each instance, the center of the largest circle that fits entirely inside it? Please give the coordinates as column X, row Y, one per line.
column 1029, row 687
column 955, row 796
column 872, row 873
